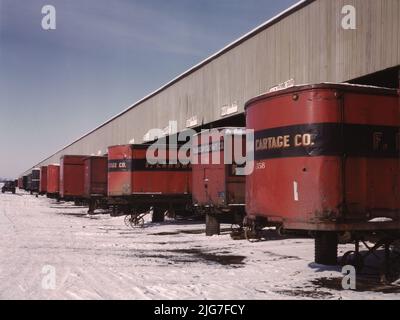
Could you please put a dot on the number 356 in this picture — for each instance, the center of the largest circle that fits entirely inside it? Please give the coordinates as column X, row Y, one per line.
column 260, row 165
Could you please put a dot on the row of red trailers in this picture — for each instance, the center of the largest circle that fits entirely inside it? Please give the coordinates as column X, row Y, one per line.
column 76, row 178
column 326, row 160
column 126, row 182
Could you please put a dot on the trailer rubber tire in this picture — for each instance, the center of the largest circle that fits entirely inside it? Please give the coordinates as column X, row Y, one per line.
column 212, row 225
column 158, row 215
column 326, row 245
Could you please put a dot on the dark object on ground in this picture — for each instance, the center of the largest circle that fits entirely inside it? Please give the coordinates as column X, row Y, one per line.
column 9, row 186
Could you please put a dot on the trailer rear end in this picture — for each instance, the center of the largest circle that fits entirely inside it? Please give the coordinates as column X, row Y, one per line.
column 43, row 180
column 326, row 161
column 135, row 184
column 72, row 178
column 218, row 187
column 53, row 181
column 95, row 187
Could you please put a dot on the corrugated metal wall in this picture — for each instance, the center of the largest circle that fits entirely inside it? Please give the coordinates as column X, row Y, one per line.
column 309, row 46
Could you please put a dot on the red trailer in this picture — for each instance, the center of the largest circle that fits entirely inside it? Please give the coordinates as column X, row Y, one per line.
column 72, row 178
column 53, row 181
column 95, row 187
column 20, row 183
column 43, row 180
column 135, row 185
column 326, row 160
column 218, row 188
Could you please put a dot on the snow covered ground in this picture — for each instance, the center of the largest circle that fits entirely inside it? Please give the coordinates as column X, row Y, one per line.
column 98, row 257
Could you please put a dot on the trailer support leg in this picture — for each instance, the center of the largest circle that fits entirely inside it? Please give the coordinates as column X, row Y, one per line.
column 357, row 250
column 326, row 244
column 92, row 206
column 212, row 225
column 158, row 215
column 386, row 275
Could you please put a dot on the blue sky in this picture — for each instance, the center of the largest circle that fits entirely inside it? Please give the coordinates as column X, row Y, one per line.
column 103, row 56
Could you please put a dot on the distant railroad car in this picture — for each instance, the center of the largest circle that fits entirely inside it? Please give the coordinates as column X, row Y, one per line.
column 326, row 160
column 72, row 177
column 135, row 184
column 43, row 180
column 53, row 181
column 218, row 188
column 95, row 187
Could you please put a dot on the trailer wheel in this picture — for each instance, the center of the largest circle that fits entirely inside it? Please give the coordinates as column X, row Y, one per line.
column 326, row 244
column 136, row 221
column 237, row 232
column 212, row 225
column 127, row 220
column 351, row 258
column 158, row 215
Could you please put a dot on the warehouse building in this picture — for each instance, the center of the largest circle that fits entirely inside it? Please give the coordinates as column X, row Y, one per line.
column 307, row 43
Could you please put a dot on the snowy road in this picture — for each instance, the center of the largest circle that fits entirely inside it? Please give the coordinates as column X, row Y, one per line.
column 100, row 258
